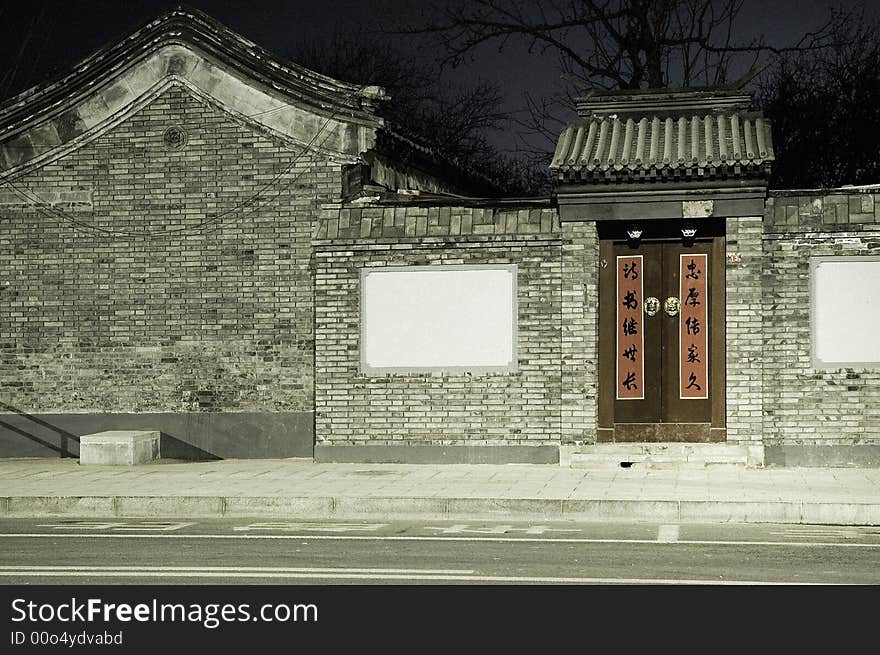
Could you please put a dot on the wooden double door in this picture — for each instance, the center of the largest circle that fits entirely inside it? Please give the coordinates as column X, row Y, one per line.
column 661, row 340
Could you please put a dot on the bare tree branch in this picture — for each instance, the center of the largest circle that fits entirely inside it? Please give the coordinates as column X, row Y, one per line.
column 614, row 43
column 456, row 121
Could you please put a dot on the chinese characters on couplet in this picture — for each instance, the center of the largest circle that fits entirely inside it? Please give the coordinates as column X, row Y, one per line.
column 694, row 335
column 630, row 338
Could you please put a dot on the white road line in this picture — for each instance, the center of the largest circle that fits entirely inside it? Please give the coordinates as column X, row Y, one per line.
column 246, row 569
column 318, row 527
column 145, row 526
column 339, row 575
column 507, row 540
column 667, row 533
column 464, row 528
column 847, row 533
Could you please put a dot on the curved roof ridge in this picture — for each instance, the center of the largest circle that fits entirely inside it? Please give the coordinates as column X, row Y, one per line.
column 190, row 27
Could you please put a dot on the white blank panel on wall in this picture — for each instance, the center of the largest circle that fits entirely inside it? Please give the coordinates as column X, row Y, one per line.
column 438, row 318
column 846, row 311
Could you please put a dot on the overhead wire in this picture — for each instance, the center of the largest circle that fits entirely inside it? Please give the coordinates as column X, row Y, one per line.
column 58, row 213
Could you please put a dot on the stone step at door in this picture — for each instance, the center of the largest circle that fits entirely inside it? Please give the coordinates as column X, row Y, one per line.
column 625, row 455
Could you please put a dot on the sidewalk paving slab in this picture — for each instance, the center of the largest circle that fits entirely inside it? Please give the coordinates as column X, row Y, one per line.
column 303, row 489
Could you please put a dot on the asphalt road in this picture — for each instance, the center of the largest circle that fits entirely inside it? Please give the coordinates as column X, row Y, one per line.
column 261, row 551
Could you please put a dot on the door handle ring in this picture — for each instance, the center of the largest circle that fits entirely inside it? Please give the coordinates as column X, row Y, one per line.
column 671, row 306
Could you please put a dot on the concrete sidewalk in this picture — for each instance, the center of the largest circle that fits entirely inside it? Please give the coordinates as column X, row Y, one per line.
column 300, row 488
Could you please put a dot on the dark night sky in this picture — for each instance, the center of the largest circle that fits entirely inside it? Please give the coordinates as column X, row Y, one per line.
column 38, row 37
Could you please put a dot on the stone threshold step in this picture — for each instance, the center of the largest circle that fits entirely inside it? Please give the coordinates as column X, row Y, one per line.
column 662, row 454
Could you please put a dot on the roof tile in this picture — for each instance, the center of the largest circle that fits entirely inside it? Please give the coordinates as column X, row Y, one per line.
column 636, row 146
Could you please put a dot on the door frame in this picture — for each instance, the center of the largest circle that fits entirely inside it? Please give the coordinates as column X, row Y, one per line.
column 611, row 232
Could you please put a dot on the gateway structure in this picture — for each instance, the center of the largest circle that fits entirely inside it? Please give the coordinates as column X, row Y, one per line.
column 203, row 240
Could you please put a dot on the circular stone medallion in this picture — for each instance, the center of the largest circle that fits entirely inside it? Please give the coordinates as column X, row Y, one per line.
column 174, row 138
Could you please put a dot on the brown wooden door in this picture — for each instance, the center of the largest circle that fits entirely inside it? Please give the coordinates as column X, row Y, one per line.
column 657, row 377
column 687, row 337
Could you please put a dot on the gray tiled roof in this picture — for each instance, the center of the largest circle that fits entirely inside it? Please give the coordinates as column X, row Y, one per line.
column 731, row 143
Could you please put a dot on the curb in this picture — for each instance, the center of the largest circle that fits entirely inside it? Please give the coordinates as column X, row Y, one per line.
column 330, row 507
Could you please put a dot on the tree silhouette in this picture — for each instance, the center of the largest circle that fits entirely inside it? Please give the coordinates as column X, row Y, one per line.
column 454, row 120
column 825, row 109
column 617, row 44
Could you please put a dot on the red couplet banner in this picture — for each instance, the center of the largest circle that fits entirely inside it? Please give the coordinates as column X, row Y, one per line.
column 630, row 338
column 694, row 327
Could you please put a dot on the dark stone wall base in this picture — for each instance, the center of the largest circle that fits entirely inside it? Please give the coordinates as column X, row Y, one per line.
column 194, row 435
column 800, row 455
column 431, row 454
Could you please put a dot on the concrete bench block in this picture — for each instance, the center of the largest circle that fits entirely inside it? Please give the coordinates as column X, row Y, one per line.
column 119, row 447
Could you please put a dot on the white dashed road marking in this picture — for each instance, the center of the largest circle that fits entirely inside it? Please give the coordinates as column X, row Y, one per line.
column 136, row 526
column 667, row 533
column 464, row 528
column 316, row 527
column 830, row 531
column 488, row 539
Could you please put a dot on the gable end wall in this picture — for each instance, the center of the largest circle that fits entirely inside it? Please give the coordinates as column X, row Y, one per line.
column 197, row 326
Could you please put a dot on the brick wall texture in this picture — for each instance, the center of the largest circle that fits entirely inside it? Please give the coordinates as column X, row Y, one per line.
column 136, row 277
column 773, row 394
column 803, row 405
column 580, row 335
column 745, row 340
column 438, row 408
column 155, row 290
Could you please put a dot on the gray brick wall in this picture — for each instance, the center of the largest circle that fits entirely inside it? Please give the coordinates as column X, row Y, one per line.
column 745, row 345
column 803, row 405
column 130, row 290
column 580, row 334
column 187, row 313
column 520, row 408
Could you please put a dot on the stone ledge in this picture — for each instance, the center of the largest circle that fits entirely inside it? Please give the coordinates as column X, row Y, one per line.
column 843, row 455
column 446, row 508
column 409, row 453
column 119, row 447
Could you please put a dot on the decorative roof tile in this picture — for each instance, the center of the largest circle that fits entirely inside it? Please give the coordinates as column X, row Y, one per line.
column 640, row 146
column 664, row 133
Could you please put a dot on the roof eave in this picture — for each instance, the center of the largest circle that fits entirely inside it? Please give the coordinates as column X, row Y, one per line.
column 193, row 29
column 623, row 175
